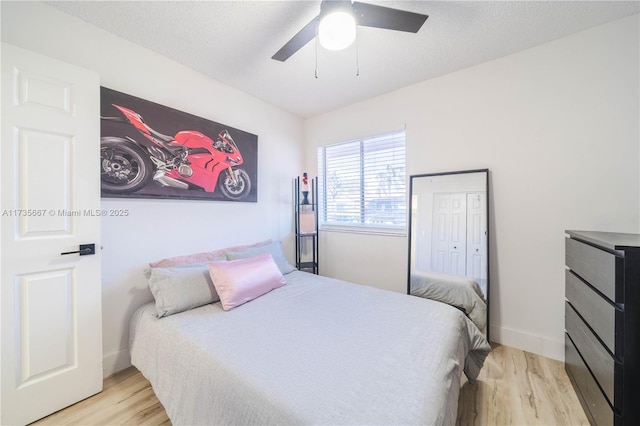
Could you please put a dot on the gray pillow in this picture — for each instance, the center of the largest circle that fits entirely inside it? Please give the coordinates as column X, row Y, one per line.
column 274, row 248
column 181, row 288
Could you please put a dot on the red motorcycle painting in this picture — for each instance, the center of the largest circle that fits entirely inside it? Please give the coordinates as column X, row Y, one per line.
column 187, row 160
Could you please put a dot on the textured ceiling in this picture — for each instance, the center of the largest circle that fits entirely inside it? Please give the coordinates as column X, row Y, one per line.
column 233, row 41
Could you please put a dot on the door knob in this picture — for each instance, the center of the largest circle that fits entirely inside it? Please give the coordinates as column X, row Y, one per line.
column 85, row 249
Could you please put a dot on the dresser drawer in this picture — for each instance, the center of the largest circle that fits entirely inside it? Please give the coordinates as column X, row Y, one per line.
column 595, row 266
column 600, row 362
column 594, row 403
column 597, row 312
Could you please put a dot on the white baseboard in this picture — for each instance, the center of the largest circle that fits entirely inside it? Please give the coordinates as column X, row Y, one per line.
column 115, row 361
column 527, row 342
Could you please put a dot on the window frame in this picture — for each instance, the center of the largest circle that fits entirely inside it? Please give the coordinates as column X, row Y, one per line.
column 362, row 227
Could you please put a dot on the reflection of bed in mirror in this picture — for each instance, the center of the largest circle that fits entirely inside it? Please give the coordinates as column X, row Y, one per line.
column 448, row 243
column 462, row 292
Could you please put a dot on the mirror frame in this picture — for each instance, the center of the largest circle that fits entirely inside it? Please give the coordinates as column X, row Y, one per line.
column 410, row 231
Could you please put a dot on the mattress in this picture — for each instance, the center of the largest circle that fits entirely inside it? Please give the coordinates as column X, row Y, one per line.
column 315, row 351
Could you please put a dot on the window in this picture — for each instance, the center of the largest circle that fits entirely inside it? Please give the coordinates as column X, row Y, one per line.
column 361, row 184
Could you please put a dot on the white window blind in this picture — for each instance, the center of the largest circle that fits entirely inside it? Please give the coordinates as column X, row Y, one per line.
column 361, row 184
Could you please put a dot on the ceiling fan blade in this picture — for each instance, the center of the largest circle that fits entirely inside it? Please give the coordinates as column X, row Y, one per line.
column 370, row 15
column 304, row 36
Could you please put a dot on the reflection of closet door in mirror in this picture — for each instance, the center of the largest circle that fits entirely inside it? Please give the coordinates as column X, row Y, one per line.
column 448, row 241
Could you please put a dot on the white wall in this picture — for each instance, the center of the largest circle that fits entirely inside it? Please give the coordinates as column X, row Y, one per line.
column 157, row 229
column 558, row 127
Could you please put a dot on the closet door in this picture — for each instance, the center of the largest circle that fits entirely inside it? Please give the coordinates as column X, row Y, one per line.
column 50, row 303
column 449, row 233
column 477, row 237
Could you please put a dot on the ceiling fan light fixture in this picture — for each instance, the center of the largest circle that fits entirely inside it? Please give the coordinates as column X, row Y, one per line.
column 337, row 30
column 347, row 15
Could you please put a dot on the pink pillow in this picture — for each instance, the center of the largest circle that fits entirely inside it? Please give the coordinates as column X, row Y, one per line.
column 201, row 257
column 240, row 281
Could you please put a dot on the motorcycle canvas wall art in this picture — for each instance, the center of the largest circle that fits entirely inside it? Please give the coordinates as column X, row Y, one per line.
column 149, row 150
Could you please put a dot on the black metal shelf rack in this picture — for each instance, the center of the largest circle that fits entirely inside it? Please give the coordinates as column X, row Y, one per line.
column 306, row 226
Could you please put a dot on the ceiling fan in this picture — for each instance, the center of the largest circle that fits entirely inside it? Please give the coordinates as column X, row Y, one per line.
column 336, row 23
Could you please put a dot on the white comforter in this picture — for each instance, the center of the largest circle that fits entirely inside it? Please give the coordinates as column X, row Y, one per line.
column 316, row 351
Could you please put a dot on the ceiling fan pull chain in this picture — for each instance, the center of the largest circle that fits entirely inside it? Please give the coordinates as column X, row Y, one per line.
column 316, row 51
column 357, row 54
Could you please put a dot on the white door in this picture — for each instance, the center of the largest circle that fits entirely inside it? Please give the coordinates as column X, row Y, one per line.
column 50, row 304
column 449, row 233
column 477, row 238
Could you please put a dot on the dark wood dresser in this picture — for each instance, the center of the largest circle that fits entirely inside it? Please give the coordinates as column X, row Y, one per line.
column 602, row 324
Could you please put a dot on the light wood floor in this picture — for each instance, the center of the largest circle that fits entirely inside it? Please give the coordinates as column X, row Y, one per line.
column 520, row 388
column 514, row 388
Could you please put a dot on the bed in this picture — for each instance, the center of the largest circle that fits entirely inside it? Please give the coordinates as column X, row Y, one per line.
column 456, row 290
column 313, row 351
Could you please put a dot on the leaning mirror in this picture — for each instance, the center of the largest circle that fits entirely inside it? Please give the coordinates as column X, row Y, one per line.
column 448, row 241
